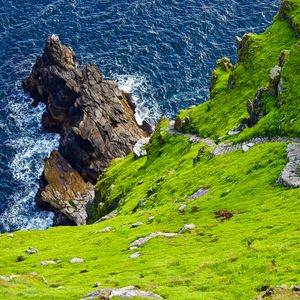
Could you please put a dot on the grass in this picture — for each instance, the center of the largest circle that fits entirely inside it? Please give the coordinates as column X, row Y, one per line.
column 228, row 107
column 219, row 259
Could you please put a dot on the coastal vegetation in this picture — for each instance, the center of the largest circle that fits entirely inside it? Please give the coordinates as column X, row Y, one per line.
column 233, row 220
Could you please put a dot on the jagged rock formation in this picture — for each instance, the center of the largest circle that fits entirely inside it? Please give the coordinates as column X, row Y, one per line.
column 94, row 118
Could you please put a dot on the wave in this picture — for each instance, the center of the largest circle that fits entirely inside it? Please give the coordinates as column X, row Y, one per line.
column 139, row 89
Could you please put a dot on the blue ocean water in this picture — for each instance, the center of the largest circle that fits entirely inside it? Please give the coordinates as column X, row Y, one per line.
column 162, row 51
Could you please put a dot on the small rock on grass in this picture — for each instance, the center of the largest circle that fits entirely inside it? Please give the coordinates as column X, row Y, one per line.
column 182, row 208
column 135, row 255
column 133, row 248
column 50, row 262
column 151, row 219
column 137, row 224
column 187, row 227
column 76, row 260
column 125, row 292
column 106, row 229
column 32, row 251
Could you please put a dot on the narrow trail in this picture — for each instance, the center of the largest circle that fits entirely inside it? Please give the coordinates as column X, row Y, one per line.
column 289, row 177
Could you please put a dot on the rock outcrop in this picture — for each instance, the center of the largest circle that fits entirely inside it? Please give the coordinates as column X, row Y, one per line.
column 256, row 108
column 94, row 118
column 64, row 189
column 125, row 292
column 290, row 176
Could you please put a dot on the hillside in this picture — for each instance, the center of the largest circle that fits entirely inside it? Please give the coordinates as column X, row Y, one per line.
column 219, row 171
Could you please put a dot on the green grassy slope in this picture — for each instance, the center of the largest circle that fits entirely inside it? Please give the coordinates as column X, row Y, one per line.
column 228, row 108
column 219, row 259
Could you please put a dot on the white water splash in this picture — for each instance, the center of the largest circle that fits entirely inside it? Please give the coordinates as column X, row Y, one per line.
column 137, row 87
column 29, row 146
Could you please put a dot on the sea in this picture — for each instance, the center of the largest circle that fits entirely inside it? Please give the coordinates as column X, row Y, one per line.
column 162, row 52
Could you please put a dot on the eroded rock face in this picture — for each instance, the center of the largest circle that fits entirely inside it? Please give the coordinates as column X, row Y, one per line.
column 64, row 189
column 94, row 118
column 93, row 115
column 256, row 108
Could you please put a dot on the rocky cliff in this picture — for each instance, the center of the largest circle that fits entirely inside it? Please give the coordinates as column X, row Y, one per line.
column 95, row 120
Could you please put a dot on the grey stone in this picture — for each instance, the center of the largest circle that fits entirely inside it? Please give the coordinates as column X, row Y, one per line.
column 133, row 248
column 187, row 227
column 245, row 148
column 76, row 260
column 201, row 192
column 141, row 241
column 97, row 284
column 9, row 278
column 182, row 208
column 135, row 255
column 125, row 292
column 289, row 176
column 50, row 262
column 137, row 224
column 106, row 229
column 32, row 251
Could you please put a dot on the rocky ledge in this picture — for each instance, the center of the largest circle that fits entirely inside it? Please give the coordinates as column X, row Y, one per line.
column 95, row 120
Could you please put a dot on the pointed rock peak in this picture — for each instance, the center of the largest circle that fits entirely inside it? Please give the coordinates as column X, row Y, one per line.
column 57, row 54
